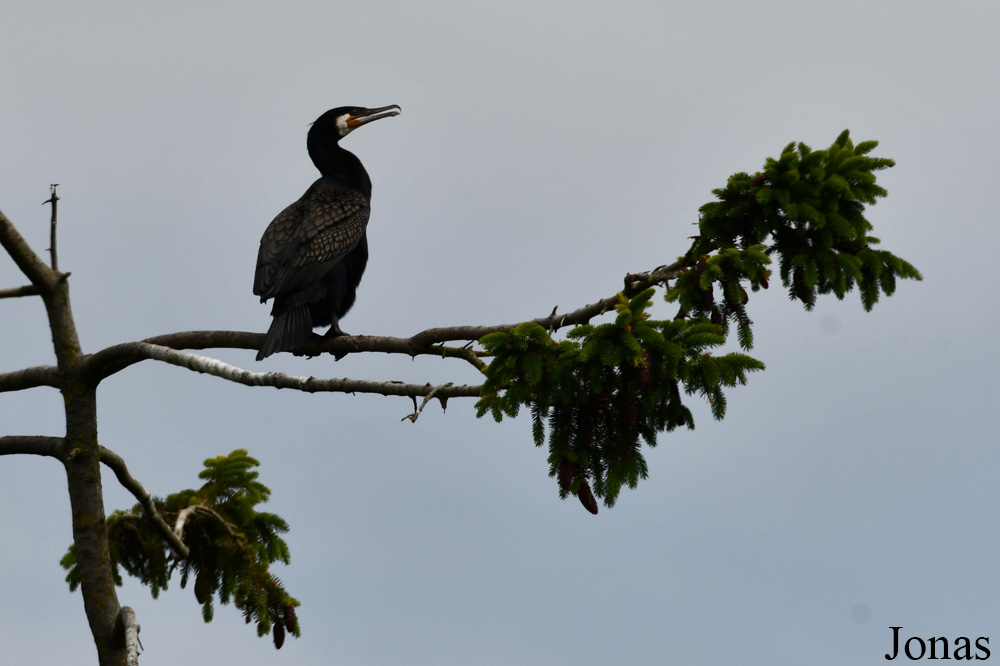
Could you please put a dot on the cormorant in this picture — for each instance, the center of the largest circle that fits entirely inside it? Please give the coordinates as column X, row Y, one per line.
column 313, row 254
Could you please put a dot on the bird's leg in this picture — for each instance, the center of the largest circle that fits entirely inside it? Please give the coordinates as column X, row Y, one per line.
column 335, row 330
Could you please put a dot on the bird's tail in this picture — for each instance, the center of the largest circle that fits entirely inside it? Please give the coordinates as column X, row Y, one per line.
column 289, row 329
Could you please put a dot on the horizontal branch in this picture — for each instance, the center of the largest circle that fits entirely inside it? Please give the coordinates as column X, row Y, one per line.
column 16, row 292
column 38, row 445
column 41, row 375
column 130, row 483
column 168, row 348
column 211, row 366
column 110, row 360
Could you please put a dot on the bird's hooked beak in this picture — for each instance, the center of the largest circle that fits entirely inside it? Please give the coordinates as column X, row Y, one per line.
column 365, row 116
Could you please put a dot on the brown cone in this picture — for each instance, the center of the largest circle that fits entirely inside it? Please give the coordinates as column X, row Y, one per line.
column 587, row 498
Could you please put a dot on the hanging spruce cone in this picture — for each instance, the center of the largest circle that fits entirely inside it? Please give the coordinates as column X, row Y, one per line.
column 279, row 635
column 587, row 498
column 566, row 473
column 291, row 621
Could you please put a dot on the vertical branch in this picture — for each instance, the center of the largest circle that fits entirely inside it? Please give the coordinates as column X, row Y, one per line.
column 82, row 459
column 52, row 225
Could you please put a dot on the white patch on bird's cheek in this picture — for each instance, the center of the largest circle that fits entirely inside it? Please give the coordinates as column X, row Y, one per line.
column 342, row 127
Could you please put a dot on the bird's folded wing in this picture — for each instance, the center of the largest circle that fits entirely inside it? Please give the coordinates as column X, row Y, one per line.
column 307, row 239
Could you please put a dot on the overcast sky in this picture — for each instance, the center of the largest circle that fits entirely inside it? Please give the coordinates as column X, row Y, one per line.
column 545, row 149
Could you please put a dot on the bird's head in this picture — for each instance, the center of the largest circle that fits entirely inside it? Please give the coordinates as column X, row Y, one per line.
column 338, row 123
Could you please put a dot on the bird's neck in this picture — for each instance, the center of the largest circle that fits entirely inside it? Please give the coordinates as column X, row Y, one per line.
column 341, row 165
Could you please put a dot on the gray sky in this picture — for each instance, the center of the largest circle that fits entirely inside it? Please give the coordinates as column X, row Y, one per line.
column 544, row 150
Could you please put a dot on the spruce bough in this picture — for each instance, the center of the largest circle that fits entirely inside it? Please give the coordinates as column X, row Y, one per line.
column 597, row 395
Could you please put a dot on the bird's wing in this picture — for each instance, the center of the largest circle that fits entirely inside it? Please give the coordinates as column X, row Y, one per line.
column 307, row 239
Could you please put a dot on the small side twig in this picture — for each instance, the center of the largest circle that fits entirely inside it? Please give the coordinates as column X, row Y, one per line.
column 16, row 292
column 52, row 225
column 433, row 394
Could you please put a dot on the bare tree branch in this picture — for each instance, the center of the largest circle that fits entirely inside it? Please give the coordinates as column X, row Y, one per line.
column 41, row 375
column 232, row 373
column 38, row 445
column 130, row 483
column 110, row 360
column 107, row 362
column 40, row 275
column 17, row 292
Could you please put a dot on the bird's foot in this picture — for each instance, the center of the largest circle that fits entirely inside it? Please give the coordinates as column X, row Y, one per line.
column 309, row 350
column 335, row 332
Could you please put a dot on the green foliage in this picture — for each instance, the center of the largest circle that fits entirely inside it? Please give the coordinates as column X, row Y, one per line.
column 607, row 388
column 730, row 268
column 232, row 546
column 807, row 207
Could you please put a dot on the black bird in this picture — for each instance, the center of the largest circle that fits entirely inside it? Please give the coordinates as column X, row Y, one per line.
column 313, row 254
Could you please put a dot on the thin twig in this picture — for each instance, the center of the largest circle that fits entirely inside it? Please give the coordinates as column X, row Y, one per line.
column 52, row 224
column 433, row 394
